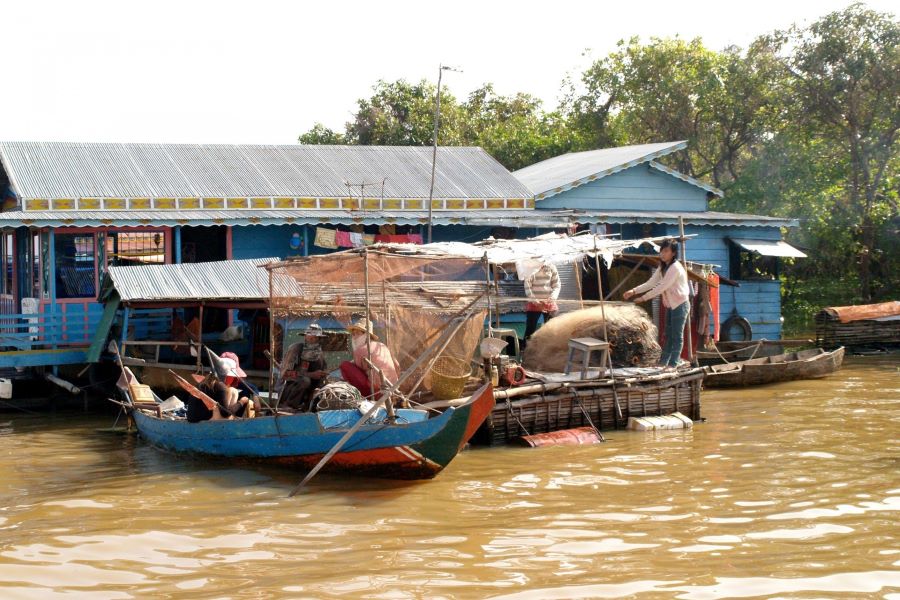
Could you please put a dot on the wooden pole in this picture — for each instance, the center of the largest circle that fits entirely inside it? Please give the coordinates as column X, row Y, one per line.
column 626, row 278
column 687, row 326
column 605, row 332
column 200, row 341
column 487, row 283
column 272, row 357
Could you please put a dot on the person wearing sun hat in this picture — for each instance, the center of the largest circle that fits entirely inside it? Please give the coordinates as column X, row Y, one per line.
column 358, row 372
column 303, row 370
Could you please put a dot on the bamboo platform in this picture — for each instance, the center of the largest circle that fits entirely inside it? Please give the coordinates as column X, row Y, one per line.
column 868, row 325
column 564, row 406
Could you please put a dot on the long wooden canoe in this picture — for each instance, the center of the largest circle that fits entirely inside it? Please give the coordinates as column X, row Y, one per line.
column 805, row 364
column 413, row 447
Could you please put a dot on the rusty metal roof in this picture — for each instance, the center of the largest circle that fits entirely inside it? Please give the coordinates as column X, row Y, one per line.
column 98, row 170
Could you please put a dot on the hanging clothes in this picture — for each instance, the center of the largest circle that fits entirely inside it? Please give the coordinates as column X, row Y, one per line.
column 343, row 239
column 325, row 238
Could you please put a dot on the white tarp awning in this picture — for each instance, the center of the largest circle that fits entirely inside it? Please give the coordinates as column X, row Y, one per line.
column 770, row 248
column 548, row 248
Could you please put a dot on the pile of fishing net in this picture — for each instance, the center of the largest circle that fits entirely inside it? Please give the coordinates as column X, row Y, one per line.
column 632, row 338
column 337, row 395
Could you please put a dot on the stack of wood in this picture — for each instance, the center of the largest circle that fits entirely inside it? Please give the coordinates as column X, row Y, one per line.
column 632, row 337
column 858, row 326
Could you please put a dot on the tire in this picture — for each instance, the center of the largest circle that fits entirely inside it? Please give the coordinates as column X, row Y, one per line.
column 736, row 322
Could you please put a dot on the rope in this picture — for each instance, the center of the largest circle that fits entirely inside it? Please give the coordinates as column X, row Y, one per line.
column 509, row 408
column 586, row 415
column 336, row 396
column 756, row 348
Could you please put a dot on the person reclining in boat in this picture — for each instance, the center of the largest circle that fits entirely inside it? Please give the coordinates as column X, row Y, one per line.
column 358, row 373
column 229, row 402
column 303, row 370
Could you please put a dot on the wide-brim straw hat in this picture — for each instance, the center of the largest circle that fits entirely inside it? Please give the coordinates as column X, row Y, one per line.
column 363, row 325
column 314, row 329
column 232, row 364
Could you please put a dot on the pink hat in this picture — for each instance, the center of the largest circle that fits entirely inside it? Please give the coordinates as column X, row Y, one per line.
column 233, row 364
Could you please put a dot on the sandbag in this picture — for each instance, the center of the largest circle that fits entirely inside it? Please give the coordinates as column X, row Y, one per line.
column 632, row 337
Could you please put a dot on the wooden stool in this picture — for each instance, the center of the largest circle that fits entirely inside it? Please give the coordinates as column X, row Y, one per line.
column 505, row 332
column 586, row 346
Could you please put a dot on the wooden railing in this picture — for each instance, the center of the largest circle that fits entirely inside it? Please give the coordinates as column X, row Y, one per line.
column 46, row 330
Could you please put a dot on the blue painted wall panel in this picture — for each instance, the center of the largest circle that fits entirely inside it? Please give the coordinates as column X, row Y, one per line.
column 637, row 188
column 257, row 241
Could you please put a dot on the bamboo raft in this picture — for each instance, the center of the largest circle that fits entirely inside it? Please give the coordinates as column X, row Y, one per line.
column 546, row 407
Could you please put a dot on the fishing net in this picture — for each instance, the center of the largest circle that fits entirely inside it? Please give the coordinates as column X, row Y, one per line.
column 336, row 396
column 631, row 335
column 419, row 307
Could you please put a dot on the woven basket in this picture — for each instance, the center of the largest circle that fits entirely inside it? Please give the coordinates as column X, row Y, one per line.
column 449, row 375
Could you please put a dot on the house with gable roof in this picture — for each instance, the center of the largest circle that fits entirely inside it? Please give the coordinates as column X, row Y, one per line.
column 627, row 191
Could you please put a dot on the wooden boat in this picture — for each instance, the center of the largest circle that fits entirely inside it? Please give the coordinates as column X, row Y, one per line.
column 806, row 364
column 413, row 447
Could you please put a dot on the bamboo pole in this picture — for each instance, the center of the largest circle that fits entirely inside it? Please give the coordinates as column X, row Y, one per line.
column 687, row 335
column 200, row 341
column 272, row 357
column 605, row 333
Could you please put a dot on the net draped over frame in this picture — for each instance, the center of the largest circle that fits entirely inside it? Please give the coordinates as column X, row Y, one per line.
column 412, row 300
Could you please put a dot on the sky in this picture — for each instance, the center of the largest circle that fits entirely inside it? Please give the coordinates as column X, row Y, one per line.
column 264, row 72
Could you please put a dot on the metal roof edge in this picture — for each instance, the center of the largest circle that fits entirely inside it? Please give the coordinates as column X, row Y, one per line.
column 546, row 194
column 687, row 178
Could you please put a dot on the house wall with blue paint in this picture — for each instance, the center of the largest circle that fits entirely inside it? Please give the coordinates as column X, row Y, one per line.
column 645, row 200
column 641, row 187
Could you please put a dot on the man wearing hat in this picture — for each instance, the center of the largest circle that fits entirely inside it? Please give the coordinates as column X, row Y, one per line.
column 358, row 373
column 303, row 370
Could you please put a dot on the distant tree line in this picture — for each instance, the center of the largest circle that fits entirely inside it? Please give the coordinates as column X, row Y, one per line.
column 803, row 123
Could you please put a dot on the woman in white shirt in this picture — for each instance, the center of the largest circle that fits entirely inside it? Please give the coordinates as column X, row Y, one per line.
column 670, row 281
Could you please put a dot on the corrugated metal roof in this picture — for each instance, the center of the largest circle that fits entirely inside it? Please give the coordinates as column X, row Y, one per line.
column 221, row 280
column 555, row 175
column 81, row 170
column 541, row 218
column 707, row 217
column 770, row 248
column 138, row 218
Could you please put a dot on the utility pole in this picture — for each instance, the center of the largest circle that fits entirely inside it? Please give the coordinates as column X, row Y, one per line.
column 437, row 119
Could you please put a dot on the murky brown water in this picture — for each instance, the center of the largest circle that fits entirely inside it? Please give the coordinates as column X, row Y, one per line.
column 787, row 491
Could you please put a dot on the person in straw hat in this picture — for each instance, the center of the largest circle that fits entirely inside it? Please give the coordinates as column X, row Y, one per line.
column 303, row 370
column 358, row 372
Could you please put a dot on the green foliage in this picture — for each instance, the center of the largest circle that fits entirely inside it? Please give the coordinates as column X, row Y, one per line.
column 802, row 124
column 320, row 134
column 672, row 89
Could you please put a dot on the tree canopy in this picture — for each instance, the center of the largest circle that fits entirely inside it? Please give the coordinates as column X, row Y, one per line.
column 802, row 123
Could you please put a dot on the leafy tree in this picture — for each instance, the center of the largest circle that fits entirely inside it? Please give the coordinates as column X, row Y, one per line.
column 671, row 89
column 513, row 129
column 320, row 134
column 844, row 90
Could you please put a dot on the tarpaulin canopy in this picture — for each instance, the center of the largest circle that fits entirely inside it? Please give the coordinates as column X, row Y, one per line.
column 847, row 314
column 529, row 254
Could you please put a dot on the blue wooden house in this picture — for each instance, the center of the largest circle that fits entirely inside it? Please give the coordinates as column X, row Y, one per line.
column 625, row 190
column 70, row 211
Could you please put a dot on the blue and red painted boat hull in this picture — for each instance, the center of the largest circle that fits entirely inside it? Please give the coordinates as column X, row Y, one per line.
column 414, row 447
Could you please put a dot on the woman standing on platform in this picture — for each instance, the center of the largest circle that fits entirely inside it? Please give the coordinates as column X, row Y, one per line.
column 669, row 280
